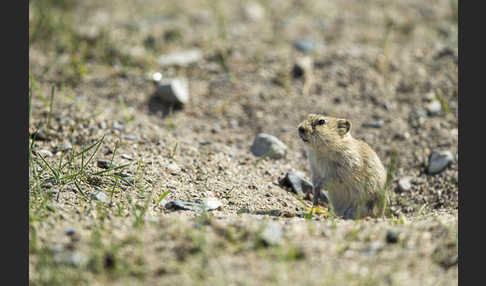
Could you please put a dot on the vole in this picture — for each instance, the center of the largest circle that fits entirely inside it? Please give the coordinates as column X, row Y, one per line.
column 347, row 168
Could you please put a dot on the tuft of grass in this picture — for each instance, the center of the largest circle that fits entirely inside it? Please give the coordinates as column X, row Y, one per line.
column 384, row 199
column 126, row 114
column 170, row 124
column 162, row 197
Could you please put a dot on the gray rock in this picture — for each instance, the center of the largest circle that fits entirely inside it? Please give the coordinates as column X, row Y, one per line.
column 272, row 234
column 186, row 206
column 181, row 58
column 404, row 184
column 296, row 182
column 438, row 161
column 126, row 157
column 268, row 145
column 117, row 126
column 70, row 231
column 434, row 107
column 131, row 137
column 100, row 196
column 307, row 45
column 105, row 164
column 40, row 135
column 374, row 124
column 173, row 90
column 45, row 153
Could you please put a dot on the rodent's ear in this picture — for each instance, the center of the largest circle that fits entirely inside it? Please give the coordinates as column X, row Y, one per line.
column 343, row 126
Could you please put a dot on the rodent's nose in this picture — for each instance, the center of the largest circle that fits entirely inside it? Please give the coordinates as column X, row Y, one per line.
column 301, row 130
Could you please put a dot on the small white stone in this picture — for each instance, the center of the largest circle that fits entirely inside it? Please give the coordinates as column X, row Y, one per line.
column 45, row 153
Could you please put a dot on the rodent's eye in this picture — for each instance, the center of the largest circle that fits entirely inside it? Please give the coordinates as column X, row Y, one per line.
column 321, row 122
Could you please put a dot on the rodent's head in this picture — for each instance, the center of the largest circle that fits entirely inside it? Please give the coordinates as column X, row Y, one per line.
column 319, row 131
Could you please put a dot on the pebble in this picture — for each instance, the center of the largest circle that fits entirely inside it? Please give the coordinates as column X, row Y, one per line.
column 272, row 234
column 173, row 90
column 296, row 182
column 179, row 205
column 131, row 137
column 40, row 135
column 100, row 196
column 45, row 153
column 404, row 184
column 106, row 164
column 306, row 45
column 438, row 161
column 117, row 126
column 268, row 145
column 126, row 157
column 434, row 107
column 302, row 66
column 374, row 124
column 212, row 204
column 173, row 168
column 183, row 58
column 70, row 231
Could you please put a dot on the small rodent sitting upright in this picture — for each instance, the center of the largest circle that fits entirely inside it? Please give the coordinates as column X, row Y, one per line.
column 347, row 168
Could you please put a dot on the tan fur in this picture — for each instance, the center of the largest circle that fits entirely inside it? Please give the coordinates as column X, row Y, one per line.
column 347, row 168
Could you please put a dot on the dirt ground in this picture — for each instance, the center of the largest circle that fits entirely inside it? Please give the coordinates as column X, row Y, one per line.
column 375, row 62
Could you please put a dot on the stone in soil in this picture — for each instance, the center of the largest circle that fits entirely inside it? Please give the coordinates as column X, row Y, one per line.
column 131, row 137
column 40, row 135
column 117, row 126
column 45, row 153
column 272, row 234
column 105, row 164
column 212, row 204
column 434, row 107
column 268, row 145
column 173, row 90
column 306, row 45
column 126, row 157
column 296, row 182
column 186, row 206
column 438, row 161
column 374, row 124
column 404, row 184
column 183, row 58
column 100, row 196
